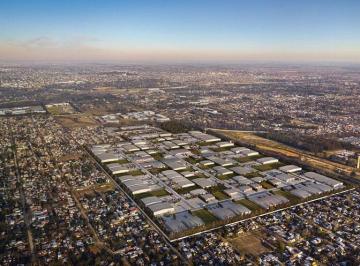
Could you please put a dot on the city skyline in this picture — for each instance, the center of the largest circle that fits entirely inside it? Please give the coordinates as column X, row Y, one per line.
column 186, row 31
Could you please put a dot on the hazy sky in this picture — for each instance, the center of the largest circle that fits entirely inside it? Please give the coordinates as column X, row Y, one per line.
column 180, row 30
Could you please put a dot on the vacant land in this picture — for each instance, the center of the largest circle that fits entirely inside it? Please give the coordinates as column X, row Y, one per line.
column 60, row 109
column 248, row 243
column 72, row 121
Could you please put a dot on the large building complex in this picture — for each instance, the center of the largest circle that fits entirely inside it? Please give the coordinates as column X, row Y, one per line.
column 184, row 180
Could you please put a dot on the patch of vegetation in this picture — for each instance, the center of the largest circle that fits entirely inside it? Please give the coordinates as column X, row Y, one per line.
column 186, row 190
column 177, row 126
column 252, row 175
column 266, row 185
column 205, row 215
column 267, row 167
column 249, row 204
column 220, row 195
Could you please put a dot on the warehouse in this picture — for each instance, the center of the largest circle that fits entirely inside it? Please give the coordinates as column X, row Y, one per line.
column 204, row 182
column 180, row 142
column 275, row 182
column 138, row 189
column 246, row 189
column 150, row 200
column 242, row 170
column 266, row 199
column 130, row 148
column 175, row 163
column 183, row 183
column 324, row 179
column 290, row 168
column 208, row 197
column 196, row 203
column 249, row 153
column 224, row 144
column 267, row 160
column 220, row 161
column 233, row 193
column 181, row 221
column 300, row 193
column 238, row 209
column 204, row 137
column 222, row 170
column 220, row 212
column 206, row 163
column 170, row 145
column 239, row 149
column 108, row 157
column 117, row 168
column 180, row 153
column 286, row 178
column 198, row 191
column 161, row 208
column 242, row 180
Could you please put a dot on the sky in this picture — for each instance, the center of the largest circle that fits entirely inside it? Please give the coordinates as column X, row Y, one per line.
column 180, row 30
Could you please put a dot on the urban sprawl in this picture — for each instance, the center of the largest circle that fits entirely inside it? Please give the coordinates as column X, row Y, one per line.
column 166, row 165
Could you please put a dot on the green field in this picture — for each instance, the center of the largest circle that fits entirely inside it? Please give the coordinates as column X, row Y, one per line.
column 220, row 195
column 205, row 215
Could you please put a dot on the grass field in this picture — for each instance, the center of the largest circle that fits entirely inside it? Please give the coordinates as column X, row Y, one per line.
column 220, row 195
column 266, row 185
column 248, row 243
column 205, row 215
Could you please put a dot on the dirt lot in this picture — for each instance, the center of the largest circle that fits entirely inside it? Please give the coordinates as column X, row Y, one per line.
column 248, row 243
column 72, row 121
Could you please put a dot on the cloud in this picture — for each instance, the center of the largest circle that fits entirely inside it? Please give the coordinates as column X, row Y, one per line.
column 40, row 42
